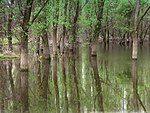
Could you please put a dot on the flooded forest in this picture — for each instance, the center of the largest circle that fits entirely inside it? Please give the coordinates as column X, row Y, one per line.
column 74, row 56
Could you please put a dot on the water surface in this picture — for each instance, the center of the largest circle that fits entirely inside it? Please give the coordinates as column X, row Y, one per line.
column 110, row 82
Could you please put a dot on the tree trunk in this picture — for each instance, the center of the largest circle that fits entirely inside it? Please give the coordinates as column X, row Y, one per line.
column 149, row 38
column 55, row 78
column 2, row 79
column 43, row 82
column 46, row 69
column 63, row 57
column 134, row 56
column 135, row 32
column 135, row 85
column 17, row 86
column 64, row 80
column 24, row 56
column 1, row 27
column 46, row 50
column 75, row 94
column 106, row 39
column 55, row 25
column 12, row 84
column 74, row 25
column 54, row 60
column 97, row 27
column 10, row 16
column 64, row 27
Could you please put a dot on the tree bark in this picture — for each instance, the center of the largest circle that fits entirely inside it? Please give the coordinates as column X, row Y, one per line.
column 63, row 57
column 75, row 94
column 24, row 56
column 64, row 27
column 135, row 85
column 64, row 80
column 134, row 56
column 12, row 84
column 2, row 79
column 55, row 25
column 10, row 16
column 97, row 27
column 1, row 27
column 135, row 31
column 55, row 59
column 17, row 86
column 43, row 82
column 46, row 50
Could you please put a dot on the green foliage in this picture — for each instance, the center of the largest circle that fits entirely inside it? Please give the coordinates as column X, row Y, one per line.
column 125, row 9
column 37, row 28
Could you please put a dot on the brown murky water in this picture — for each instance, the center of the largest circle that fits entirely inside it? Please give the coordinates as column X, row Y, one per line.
column 110, row 82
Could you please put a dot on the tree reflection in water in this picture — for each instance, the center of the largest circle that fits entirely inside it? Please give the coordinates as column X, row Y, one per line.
column 85, row 83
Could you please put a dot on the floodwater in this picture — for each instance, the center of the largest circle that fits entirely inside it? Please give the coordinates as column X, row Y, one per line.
column 110, row 82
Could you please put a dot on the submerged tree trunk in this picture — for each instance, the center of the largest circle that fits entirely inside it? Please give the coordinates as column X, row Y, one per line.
column 134, row 55
column 135, row 85
column 95, row 37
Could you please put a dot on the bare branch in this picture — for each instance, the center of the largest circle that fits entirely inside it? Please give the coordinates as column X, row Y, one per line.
column 144, row 14
column 130, row 3
column 35, row 17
